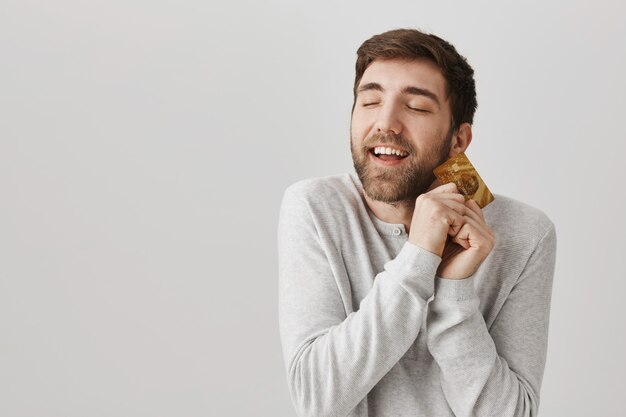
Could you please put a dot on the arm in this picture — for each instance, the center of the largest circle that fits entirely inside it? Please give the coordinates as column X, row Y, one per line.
column 496, row 372
column 332, row 359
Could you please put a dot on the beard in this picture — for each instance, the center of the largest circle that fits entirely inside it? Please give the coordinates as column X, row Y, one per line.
column 403, row 182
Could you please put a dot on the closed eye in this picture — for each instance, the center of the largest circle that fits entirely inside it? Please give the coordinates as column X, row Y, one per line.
column 418, row 110
column 369, row 104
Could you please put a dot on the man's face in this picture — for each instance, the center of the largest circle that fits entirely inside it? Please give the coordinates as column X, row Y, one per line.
column 402, row 105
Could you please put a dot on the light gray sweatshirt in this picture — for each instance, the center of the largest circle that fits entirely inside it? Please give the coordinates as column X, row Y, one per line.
column 368, row 329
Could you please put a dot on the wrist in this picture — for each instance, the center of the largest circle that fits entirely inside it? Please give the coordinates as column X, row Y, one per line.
column 431, row 247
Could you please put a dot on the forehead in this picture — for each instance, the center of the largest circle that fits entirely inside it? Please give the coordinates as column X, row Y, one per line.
column 396, row 74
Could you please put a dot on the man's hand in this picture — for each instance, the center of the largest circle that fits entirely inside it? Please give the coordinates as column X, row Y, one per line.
column 467, row 249
column 443, row 212
column 437, row 214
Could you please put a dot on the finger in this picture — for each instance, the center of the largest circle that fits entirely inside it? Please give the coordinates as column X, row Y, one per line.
column 473, row 205
column 466, row 236
column 460, row 240
column 449, row 187
column 472, row 233
column 455, row 222
column 455, row 205
column 453, row 201
column 440, row 196
column 470, row 207
column 449, row 196
column 473, row 213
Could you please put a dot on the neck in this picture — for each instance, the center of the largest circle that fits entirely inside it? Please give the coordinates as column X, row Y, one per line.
column 397, row 213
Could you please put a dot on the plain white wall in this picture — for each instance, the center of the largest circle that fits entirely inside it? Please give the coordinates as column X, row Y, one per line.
column 145, row 146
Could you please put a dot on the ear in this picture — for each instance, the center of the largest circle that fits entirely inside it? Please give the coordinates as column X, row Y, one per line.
column 461, row 139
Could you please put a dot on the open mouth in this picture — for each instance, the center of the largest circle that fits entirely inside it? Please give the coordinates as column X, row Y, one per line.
column 388, row 156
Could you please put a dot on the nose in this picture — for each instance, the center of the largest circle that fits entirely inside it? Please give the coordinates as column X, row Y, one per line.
column 388, row 120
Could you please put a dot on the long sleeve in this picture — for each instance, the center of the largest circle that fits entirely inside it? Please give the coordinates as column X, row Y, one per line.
column 333, row 359
column 496, row 372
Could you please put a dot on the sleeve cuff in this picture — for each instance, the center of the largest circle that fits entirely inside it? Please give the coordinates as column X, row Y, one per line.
column 455, row 289
column 414, row 269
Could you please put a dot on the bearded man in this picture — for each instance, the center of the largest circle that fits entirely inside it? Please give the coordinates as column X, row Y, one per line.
column 397, row 297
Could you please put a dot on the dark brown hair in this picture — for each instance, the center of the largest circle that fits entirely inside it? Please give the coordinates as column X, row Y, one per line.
column 413, row 44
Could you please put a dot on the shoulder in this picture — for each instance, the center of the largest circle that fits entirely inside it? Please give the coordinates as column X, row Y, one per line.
column 323, row 193
column 321, row 206
column 512, row 218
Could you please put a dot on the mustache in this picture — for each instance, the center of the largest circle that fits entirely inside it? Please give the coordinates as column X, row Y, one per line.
column 387, row 139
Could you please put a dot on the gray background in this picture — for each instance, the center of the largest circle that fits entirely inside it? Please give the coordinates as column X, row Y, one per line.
column 145, row 146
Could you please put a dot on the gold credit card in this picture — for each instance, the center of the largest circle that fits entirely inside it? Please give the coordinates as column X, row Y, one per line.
column 460, row 171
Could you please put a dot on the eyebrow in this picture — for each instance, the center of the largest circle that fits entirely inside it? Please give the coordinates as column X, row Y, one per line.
column 417, row 91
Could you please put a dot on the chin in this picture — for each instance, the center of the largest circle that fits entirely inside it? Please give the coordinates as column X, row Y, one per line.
column 384, row 191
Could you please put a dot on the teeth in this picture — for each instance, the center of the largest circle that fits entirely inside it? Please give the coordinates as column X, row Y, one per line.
column 382, row 150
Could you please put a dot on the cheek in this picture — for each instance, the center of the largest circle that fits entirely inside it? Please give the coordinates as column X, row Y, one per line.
column 359, row 126
column 432, row 134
